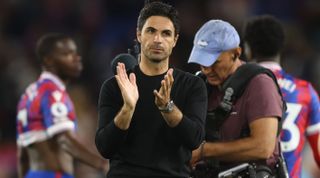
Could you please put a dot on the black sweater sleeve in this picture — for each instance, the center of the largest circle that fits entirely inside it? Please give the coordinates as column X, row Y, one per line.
column 191, row 128
column 109, row 138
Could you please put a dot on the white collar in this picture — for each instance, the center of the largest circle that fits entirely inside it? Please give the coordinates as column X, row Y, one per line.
column 54, row 78
column 271, row 65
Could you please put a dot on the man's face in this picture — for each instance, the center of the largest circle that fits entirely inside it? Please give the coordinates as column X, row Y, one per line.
column 66, row 59
column 157, row 38
column 219, row 71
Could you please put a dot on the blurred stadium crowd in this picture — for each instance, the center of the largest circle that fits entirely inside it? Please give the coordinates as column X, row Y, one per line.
column 105, row 28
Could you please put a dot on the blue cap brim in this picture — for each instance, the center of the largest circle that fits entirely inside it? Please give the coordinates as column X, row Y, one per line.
column 203, row 57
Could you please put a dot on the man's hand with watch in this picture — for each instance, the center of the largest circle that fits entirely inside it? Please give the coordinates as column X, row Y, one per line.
column 171, row 114
column 162, row 97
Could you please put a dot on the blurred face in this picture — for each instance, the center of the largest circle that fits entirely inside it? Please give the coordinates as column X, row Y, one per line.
column 157, row 39
column 65, row 59
column 219, row 71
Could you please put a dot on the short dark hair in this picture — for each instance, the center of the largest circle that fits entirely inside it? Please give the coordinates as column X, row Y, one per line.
column 265, row 36
column 157, row 8
column 46, row 44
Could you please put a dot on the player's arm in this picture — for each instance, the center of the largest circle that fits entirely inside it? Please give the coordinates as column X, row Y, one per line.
column 259, row 145
column 23, row 162
column 57, row 115
column 314, row 141
column 71, row 145
column 313, row 133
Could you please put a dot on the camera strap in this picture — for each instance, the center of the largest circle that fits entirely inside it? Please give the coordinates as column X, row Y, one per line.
column 234, row 87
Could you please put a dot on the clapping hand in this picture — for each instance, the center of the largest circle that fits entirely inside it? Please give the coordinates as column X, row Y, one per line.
column 127, row 85
column 162, row 97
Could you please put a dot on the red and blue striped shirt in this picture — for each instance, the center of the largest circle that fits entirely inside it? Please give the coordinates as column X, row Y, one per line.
column 44, row 110
column 302, row 119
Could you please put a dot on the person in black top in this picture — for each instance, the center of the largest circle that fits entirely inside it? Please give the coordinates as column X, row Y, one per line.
column 152, row 119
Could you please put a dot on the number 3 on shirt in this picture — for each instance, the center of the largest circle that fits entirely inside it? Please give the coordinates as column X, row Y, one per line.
column 289, row 125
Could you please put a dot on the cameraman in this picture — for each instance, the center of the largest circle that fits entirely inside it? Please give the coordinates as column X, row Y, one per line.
column 249, row 133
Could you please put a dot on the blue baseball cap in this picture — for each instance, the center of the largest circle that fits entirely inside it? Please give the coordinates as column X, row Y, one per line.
column 214, row 37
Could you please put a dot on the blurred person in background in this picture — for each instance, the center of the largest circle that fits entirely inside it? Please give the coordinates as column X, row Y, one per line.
column 46, row 120
column 151, row 119
column 264, row 39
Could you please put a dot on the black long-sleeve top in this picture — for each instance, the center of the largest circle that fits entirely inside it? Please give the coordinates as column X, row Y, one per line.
column 150, row 148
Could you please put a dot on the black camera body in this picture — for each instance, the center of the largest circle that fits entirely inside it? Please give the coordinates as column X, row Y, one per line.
column 247, row 170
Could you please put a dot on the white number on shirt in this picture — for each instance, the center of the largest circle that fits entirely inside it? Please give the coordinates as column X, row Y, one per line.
column 289, row 125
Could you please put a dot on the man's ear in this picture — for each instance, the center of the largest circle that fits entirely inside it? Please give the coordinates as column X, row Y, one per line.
column 138, row 33
column 237, row 52
column 175, row 40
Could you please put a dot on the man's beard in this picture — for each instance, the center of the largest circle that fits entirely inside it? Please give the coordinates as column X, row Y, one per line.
column 156, row 58
column 157, row 61
column 153, row 57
